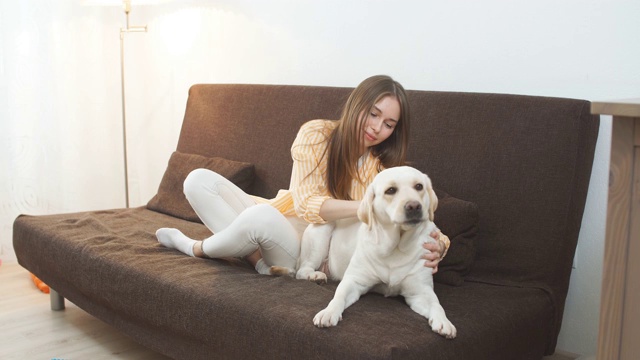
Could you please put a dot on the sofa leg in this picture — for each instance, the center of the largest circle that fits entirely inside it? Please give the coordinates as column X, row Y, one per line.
column 57, row 301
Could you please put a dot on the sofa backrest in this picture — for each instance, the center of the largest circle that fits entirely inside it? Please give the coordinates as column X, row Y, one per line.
column 524, row 160
column 256, row 124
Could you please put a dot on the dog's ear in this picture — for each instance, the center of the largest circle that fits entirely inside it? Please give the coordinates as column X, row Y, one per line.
column 433, row 199
column 365, row 210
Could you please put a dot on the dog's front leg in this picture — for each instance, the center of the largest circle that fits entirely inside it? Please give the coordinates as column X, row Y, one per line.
column 426, row 303
column 313, row 250
column 347, row 293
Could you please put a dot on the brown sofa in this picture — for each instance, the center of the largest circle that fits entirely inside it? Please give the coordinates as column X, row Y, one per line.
column 512, row 173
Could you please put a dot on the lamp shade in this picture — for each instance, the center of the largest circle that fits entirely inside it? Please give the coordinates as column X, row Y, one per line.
column 120, row 2
column 125, row 4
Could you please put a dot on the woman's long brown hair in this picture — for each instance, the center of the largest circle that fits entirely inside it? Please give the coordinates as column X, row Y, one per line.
column 346, row 141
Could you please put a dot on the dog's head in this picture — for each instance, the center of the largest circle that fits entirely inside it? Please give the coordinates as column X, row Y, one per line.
column 401, row 195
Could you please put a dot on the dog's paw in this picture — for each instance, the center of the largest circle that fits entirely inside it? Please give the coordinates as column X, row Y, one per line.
column 443, row 327
column 326, row 318
column 309, row 273
column 304, row 272
column 317, row 276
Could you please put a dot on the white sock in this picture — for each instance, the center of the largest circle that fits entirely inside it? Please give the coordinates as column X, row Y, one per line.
column 174, row 239
column 263, row 268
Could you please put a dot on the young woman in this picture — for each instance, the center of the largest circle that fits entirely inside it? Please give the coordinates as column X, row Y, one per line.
column 333, row 163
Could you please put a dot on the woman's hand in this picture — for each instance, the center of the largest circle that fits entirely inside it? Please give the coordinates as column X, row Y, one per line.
column 436, row 249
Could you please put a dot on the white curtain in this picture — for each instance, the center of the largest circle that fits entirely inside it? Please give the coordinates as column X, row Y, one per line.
column 59, row 130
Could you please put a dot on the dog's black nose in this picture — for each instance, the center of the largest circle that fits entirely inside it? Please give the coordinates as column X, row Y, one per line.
column 413, row 210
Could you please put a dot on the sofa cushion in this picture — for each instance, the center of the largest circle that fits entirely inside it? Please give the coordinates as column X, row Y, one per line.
column 170, row 198
column 458, row 219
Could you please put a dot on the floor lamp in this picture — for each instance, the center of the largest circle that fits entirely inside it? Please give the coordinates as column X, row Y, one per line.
column 126, row 4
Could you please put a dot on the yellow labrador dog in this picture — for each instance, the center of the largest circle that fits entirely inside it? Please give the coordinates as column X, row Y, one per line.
column 381, row 252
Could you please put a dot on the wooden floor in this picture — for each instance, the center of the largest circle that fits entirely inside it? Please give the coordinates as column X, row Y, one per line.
column 30, row 330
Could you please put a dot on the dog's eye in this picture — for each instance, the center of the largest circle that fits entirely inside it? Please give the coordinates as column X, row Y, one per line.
column 419, row 187
column 391, row 191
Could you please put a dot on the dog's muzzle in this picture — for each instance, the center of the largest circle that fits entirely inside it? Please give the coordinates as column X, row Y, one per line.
column 413, row 212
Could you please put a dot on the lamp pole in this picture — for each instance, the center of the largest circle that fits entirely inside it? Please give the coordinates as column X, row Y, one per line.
column 126, row 4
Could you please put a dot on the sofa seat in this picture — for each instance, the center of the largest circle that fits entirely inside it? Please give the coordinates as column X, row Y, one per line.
column 111, row 267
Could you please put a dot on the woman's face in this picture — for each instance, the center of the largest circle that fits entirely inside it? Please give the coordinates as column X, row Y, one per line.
column 381, row 121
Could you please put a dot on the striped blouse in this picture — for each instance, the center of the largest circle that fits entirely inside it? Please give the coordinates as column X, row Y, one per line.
column 308, row 190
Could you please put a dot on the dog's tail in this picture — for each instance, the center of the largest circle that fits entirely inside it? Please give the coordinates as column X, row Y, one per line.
column 282, row 271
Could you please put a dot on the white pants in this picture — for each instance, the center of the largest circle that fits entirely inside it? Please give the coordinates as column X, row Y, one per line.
column 240, row 226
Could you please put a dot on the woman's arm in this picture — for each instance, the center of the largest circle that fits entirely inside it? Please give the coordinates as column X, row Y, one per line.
column 333, row 209
column 308, row 182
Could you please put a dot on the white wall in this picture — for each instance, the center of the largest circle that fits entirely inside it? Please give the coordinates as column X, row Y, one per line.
column 60, row 135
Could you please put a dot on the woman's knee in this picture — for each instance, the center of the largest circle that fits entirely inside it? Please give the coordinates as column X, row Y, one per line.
column 265, row 221
column 264, row 216
column 276, row 237
column 199, row 180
